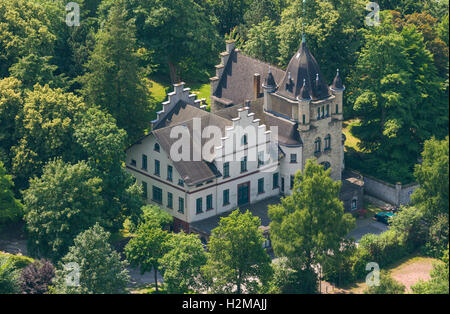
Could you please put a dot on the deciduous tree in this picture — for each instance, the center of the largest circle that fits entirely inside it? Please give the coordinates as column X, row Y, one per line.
column 309, row 225
column 237, row 261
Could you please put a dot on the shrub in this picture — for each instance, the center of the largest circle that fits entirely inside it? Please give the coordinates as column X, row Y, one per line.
column 36, row 277
column 18, row 262
column 8, row 276
column 387, row 285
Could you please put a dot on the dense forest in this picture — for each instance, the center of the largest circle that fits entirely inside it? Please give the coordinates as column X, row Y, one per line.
column 72, row 98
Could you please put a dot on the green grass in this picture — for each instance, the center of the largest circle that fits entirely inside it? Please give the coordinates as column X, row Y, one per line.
column 150, row 289
column 351, row 141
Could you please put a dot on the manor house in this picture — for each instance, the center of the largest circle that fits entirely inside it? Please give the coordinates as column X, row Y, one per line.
column 269, row 120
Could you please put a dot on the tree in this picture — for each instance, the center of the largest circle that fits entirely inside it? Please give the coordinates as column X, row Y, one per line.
column 431, row 197
column 102, row 145
column 11, row 210
column 100, row 269
column 147, row 248
column 237, row 261
column 11, row 103
column 181, row 34
column 230, row 13
column 24, row 30
column 45, row 129
column 263, row 42
column 432, row 176
column 113, row 80
column 328, row 26
column 8, row 277
column 309, row 225
column 387, row 285
column 59, row 205
column 37, row 277
column 261, row 10
column 181, row 265
column 399, row 99
column 156, row 215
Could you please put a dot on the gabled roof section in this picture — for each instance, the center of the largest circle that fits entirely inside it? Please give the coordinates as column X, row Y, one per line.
column 236, row 80
column 287, row 130
column 303, row 67
column 192, row 171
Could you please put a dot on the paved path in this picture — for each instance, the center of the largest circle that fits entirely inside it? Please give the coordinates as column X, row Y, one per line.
column 365, row 226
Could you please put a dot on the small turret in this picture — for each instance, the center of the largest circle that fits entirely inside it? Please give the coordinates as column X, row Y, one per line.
column 337, row 83
column 269, row 87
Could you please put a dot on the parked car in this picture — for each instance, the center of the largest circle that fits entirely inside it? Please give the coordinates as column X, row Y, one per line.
column 384, row 217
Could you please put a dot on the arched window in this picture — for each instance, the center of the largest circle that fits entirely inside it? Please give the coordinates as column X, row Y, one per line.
column 317, row 145
column 327, row 142
column 326, row 165
column 156, row 147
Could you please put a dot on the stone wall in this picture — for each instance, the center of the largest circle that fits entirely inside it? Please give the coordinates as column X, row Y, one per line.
column 395, row 194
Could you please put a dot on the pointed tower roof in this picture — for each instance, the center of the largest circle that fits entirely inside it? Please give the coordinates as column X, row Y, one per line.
column 304, row 92
column 337, row 82
column 270, row 80
column 303, row 67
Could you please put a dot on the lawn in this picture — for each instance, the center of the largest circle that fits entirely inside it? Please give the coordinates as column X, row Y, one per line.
column 407, row 271
column 351, row 141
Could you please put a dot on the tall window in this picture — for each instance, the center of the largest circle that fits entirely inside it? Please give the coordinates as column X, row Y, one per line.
column 323, row 111
column 261, row 186
column 169, row 200
column 292, row 182
column 157, row 195
column 328, row 110
column 293, row 158
column 304, row 119
column 180, row 182
column 354, row 204
column 169, row 173
column 181, row 205
column 156, row 148
column 209, row 202
column 260, row 159
column 327, row 142
column 318, row 113
column 317, row 144
column 226, row 197
column 144, row 162
column 244, row 140
column 275, row 178
column 226, row 170
column 199, row 208
column 244, row 164
column 145, row 189
column 337, row 108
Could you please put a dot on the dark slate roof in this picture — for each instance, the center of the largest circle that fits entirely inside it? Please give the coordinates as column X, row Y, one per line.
column 337, row 82
column 236, row 83
column 303, row 66
column 287, row 130
column 304, row 91
column 259, row 209
column 180, row 113
column 192, row 172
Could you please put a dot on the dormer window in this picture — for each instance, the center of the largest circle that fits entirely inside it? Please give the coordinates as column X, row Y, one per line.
column 156, row 148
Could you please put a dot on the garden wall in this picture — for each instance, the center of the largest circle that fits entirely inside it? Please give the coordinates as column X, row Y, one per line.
column 395, row 194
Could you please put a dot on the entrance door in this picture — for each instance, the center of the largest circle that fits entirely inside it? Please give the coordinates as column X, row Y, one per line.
column 243, row 193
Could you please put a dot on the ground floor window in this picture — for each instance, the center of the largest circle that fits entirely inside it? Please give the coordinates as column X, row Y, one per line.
column 226, row 197
column 145, row 189
column 209, row 202
column 157, row 194
column 354, row 204
column 261, row 186
column 199, row 208
column 181, row 205
column 169, row 200
column 275, row 180
column 292, row 182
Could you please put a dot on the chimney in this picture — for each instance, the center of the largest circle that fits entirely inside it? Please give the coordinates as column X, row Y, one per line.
column 256, row 85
